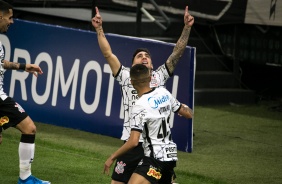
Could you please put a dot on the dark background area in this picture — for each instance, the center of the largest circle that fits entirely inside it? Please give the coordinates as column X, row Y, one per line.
column 252, row 52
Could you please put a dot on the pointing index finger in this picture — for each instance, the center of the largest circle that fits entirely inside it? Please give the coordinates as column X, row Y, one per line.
column 186, row 11
column 97, row 11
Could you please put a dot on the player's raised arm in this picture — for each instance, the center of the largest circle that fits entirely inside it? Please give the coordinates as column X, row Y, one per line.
column 181, row 43
column 104, row 44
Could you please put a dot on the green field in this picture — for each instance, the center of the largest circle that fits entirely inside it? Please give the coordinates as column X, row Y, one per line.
column 232, row 145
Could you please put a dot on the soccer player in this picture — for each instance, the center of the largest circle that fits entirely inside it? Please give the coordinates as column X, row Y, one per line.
column 149, row 117
column 11, row 113
column 126, row 164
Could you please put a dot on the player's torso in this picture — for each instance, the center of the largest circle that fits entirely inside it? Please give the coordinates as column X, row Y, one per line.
column 129, row 94
column 156, row 131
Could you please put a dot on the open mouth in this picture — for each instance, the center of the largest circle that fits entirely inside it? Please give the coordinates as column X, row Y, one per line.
column 145, row 62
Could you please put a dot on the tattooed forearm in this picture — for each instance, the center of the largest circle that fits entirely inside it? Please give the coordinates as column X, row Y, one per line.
column 188, row 111
column 178, row 49
column 171, row 62
column 11, row 65
column 100, row 32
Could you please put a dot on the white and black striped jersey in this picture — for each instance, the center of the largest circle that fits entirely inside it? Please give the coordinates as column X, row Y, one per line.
column 150, row 116
column 2, row 70
column 129, row 94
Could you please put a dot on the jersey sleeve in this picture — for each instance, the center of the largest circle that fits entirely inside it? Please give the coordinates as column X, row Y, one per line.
column 175, row 104
column 162, row 74
column 123, row 75
column 137, row 118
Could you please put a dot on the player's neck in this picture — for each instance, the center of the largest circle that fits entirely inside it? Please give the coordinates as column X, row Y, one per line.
column 143, row 91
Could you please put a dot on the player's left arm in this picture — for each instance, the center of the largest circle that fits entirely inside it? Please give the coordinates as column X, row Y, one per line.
column 186, row 111
column 130, row 144
column 31, row 68
column 181, row 43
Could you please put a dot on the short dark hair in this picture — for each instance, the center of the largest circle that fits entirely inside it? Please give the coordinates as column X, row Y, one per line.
column 140, row 50
column 4, row 7
column 139, row 71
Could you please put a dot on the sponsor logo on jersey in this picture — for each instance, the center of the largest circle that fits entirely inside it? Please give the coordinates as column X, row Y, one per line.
column 19, row 107
column 133, row 91
column 120, row 167
column 4, row 120
column 170, row 149
column 154, row 102
column 172, row 155
column 152, row 172
column 134, row 97
column 164, row 109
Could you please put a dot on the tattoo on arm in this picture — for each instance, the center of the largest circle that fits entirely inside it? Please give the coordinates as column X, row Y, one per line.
column 178, row 49
column 187, row 109
column 11, row 65
column 100, row 32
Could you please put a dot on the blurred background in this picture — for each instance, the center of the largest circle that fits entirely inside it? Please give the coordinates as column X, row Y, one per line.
column 238, row 43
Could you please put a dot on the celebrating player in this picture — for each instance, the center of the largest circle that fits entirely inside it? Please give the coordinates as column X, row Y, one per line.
column 126, row 164
column 149, row 117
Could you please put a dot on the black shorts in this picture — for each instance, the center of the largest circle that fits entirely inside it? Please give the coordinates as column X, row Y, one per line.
column 126, row 164
column 11, row 113
column 156, row 171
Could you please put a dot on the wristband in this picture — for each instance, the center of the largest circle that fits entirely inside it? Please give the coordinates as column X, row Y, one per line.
column 22, row 66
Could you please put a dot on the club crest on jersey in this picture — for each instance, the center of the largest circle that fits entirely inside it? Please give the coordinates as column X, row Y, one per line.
column 152, row 172
column 19, row 107
column 120, row 167
column 154, row 82
column 154, row 102
column 4, row 120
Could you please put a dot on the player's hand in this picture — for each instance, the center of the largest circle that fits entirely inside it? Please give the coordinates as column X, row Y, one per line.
column 97, row 20
column 188, row 19
column 32, row 68
column 108, row 165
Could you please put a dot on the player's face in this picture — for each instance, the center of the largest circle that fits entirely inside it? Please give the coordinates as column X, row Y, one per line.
column 143, row 58
column 6, row 19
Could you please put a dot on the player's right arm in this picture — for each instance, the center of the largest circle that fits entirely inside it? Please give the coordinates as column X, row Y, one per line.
column 181, row 43
column 31, row 68
column 104, row 44
column 182, row 109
